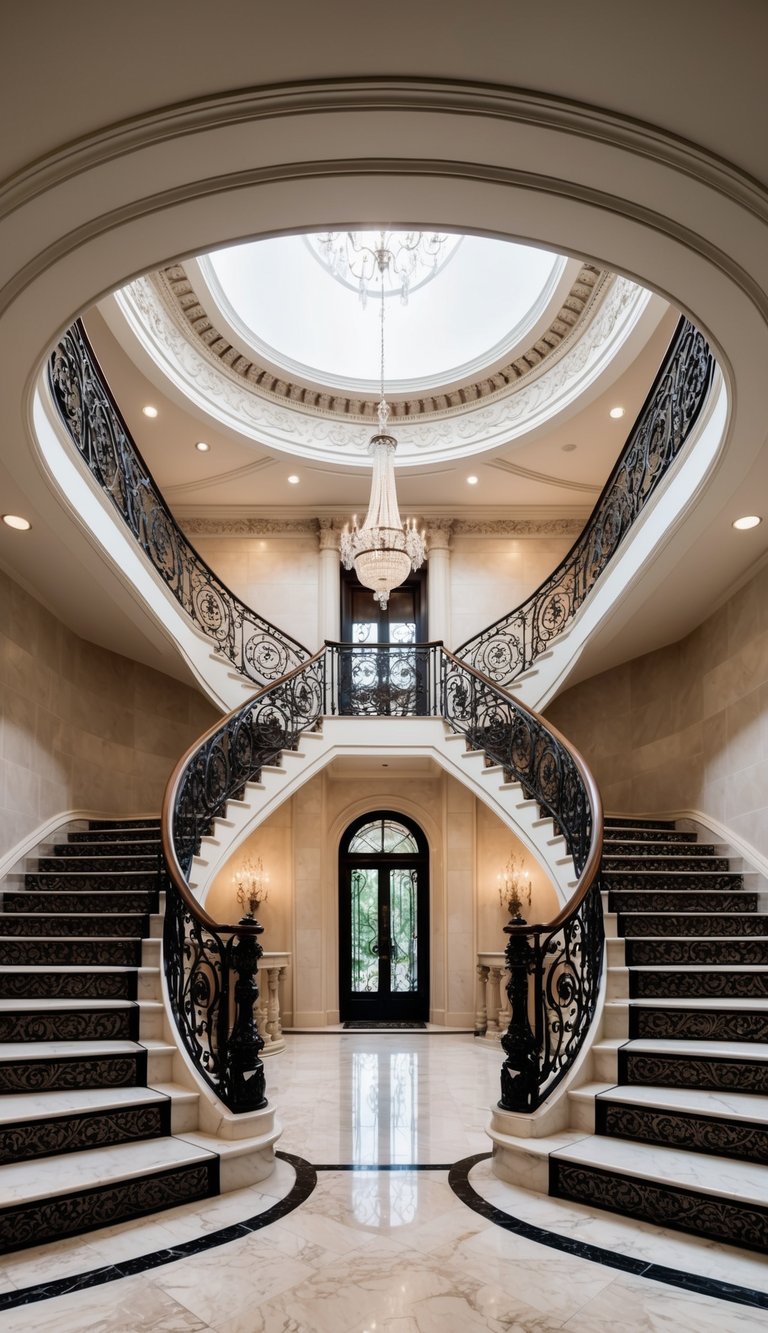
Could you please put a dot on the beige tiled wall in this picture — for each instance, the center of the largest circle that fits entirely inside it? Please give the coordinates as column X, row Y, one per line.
column 279, row 576
column 80, row 727
column 685, row 727
column 492, row 575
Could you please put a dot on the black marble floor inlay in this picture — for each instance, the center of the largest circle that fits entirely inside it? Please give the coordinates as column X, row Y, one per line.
column 458, row 1180
column 306, row 1179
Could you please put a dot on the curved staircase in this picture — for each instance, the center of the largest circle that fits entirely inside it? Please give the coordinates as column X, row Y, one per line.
column 677, row 1114
column 88, row 1106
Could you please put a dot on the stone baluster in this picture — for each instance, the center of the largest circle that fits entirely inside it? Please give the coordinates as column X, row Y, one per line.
column 495, row 999
column 481, row 1016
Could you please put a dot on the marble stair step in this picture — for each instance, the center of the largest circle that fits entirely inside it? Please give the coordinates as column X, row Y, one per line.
column 627, row 850
column 623, row 833
column 68, row 1020
column 717, row 1197
column 72, row 982
column 131, row 925
column 660, row 862
column 41, row 1124
column 60, row 1196
column 60, row 1065
column 728, row 981
column 105, row 900
column 119, row 838
column 698, row 1020
column 716, row 1065
column 685, row 900
column 146, row 861
column 66, row 879
column 46, row 950
column 630, row 821
column 674, row 879
column 698, row 924
column 722, row 1124
column 694, row 950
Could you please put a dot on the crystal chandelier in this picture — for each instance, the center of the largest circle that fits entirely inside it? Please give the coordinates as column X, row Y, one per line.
column 410, row 258
column 384, row 550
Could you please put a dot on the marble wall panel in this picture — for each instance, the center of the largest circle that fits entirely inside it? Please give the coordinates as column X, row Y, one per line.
column 698, row 713
column 81, row 727
column 278, row 576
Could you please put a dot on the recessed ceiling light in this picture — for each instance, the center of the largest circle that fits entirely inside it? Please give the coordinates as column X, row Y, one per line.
column 748, row 521
column 17, row 522
column 568, row 448
column 149, row 410
column 293, row 479
column 202, row 447
column 616, row 412
column 472, row 481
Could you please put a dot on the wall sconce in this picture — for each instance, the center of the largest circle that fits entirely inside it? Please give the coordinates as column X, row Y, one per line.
column 251, row 886
column 512, row 886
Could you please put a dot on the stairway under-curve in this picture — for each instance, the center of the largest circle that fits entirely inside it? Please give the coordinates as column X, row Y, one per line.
column 87, row 1102
column 680, row 1102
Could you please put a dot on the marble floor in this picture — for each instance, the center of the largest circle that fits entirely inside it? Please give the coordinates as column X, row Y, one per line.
column 360, row 1230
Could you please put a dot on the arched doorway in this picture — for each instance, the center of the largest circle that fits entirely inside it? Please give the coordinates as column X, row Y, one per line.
column 384, row 920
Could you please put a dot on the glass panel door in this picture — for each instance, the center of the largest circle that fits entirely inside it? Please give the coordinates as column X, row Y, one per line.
column 383, row 918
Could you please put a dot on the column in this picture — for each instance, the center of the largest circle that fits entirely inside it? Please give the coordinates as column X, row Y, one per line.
column 329, row 583
column 439, row 581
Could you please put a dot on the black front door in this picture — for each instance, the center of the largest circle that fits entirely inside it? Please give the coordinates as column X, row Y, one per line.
column 383, row 920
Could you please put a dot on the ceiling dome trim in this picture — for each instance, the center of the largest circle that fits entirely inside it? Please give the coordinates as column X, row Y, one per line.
column 175, row 289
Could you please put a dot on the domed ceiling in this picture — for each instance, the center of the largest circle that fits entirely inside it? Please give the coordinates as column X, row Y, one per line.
column 272, row 341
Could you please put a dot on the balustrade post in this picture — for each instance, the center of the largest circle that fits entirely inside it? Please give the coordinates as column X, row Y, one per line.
column 494, row 998
column 245, row 1069
column 520, row 1071
column 481, row 1016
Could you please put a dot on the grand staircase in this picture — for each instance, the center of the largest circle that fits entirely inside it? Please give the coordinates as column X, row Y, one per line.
column 88, row 1106
column 677, row 1114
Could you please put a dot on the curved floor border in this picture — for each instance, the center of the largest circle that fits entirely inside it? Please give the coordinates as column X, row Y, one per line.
column 458, row 1179
column 306, row 1180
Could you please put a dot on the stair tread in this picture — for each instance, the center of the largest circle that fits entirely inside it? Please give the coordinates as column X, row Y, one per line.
column 43, row 1177
column 737, row 1050
column 20, row 1006
column 24, row 1106
column 694, row 1101
column 724, row 1177
column 723, row 1002
column 64, row 969
column 48, row 1050
column 674, row 968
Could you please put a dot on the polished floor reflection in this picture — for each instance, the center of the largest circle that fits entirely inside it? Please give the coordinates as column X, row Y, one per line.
column 382, row 1242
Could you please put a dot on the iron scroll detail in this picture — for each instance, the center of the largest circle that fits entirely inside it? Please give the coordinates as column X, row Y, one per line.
column 507, row 648
column 257, row 649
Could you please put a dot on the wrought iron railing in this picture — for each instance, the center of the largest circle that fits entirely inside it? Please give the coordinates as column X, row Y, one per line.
column 95, row 424
column 511, row 645
column 563, row 957
column 211, row 968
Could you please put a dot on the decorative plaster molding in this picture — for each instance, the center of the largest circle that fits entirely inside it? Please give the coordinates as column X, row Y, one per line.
column 518, row 527
column 176, row 290
column 317, row 433
column 248, row 527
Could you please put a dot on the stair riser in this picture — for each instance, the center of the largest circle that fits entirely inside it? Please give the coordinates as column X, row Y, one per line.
column 71, row 863
column 87, row 927
column 119, row 826
column 665, row 836
column 690, row 952
column 77, row 1025
column 689, row 901
column 81, row 882
column 647, row 850
column 712, row 1073
column 679, row 924
column 69, row 986
column 675, row 1129
column 105, row 903
column 65, row 1073
column 79, row 1133
column 615, row 864
column 80, row 953
column 697, row 1025
column 670, row 879
column 617, row 821
column 724, row 1220
column 698, row 985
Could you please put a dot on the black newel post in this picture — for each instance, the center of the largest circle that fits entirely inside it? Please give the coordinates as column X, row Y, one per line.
column 520, row 1071
column 244, row 1066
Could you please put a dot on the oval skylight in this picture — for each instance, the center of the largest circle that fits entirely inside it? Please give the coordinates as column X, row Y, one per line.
column 294, row 314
